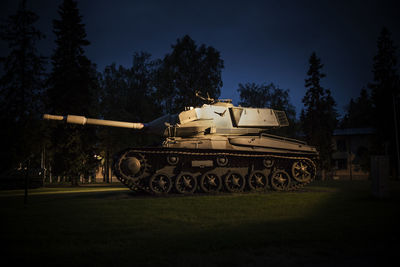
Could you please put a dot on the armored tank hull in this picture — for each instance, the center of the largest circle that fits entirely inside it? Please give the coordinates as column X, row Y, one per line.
column 247, row 163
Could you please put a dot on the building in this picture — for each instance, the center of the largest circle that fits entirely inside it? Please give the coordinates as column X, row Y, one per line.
column 351, row 153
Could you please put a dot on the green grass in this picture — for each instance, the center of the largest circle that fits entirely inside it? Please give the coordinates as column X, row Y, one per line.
column 327, row 222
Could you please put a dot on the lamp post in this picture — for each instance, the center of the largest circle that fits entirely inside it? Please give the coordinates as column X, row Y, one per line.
column 27, row 180
column 396, row 135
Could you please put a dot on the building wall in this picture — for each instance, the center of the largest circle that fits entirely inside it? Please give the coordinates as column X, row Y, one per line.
column 351, row 155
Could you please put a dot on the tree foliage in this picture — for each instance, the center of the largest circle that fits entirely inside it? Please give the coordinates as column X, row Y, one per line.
column 319, row 116
column 385, row 98
column 128, row 94
column 72, row 89
column 385, row 89
column 187, row 69
column 21, row 86
column 359, row 112
column 269, row 96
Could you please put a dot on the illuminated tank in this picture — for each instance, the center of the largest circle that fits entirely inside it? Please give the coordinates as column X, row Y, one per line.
column 212, row 148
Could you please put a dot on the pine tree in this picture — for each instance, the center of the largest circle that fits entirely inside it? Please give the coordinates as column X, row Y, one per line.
column 359, row 112
column 319, row 116
column 73, row 88
column 20, row 89
column 187, row 69
column 385, row 97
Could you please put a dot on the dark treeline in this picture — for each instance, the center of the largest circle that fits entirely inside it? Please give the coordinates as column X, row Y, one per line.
column 378, row 106
column 149, row 88
column 139, row 93
column 22, row 86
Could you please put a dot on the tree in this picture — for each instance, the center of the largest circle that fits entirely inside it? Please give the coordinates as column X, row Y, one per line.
column 319, row 116
column 385, row 96
column 358, row 115
column 141, row 88
column 359, row 112
column 269, row 96
column 73, row 88
column 20, row 89
column 128, row 95
column 187, row 69
column 255, row 95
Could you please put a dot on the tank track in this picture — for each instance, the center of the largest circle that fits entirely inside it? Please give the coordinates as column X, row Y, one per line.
column 188, row 171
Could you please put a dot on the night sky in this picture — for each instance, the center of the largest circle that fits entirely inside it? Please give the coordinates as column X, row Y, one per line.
column 259, row 41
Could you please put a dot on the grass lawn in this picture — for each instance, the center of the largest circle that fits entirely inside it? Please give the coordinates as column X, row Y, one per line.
column 326, row 224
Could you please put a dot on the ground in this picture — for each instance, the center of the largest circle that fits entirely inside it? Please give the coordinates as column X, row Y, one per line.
column 326, row 224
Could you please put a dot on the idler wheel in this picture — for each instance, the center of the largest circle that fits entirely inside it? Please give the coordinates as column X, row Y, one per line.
column 303, row 171
column 234, row 182
column 185, row 183
column 258, row 181
column 210, row 182
column 160, row 183
column 131, row 166
column 280, row 180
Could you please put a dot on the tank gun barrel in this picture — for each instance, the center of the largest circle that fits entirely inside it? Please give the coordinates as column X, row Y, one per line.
column 83, row 121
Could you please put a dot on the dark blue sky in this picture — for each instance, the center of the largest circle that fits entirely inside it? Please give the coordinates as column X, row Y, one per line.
column 259, row 41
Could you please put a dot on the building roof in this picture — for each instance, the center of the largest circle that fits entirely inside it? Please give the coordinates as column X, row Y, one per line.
column 353, row 131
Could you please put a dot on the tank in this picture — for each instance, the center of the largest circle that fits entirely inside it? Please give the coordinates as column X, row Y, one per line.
column 213, row 148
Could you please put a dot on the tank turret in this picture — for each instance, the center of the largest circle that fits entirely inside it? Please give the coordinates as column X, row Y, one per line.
column 212, row 148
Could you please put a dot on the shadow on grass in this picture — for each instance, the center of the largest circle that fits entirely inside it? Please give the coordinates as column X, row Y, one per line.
column 325, row 224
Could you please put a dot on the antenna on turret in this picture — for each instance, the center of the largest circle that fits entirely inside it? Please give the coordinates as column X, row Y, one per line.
column 208, row 99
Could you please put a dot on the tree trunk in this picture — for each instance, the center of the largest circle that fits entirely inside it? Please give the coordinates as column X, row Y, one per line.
column 107, row 166
column 323, row 175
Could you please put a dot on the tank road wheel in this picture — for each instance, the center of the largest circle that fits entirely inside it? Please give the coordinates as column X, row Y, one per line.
column 257, row 181
column 303, row 171
column 185, row 183
column 210, row 182
column 280, row 180
column 234, row 182
column 160, row 183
